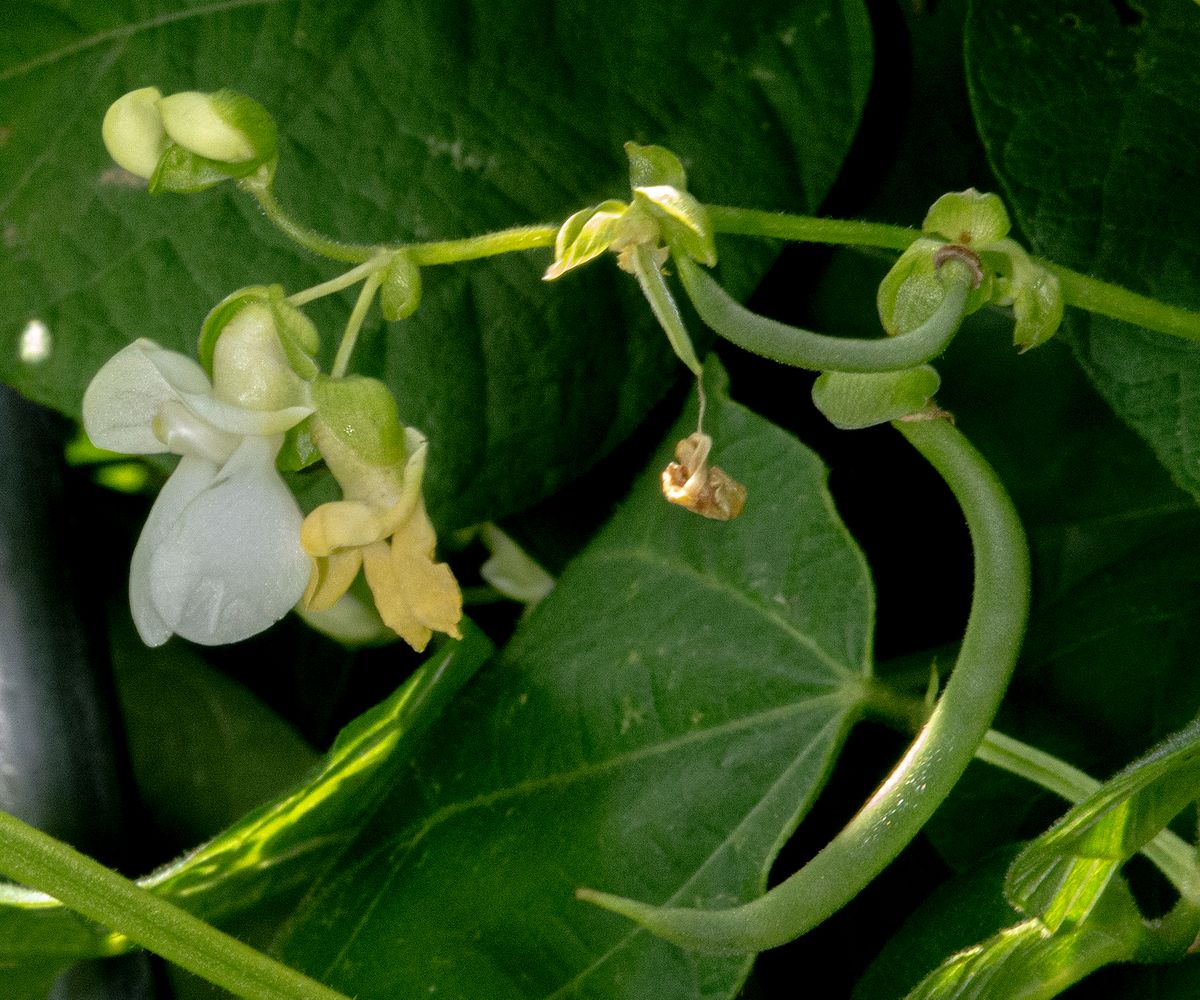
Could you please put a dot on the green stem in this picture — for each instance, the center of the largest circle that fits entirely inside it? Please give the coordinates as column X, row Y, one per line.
column 86, row 886
column 791, row 345
column 1079, row 290
column 1100, row 297
column 351, row 277
column 809, row 229
column 1171, row 854
column 666, row 311
column 937, row 757
column 310, row 239
column 487, row 245
column 354, row 324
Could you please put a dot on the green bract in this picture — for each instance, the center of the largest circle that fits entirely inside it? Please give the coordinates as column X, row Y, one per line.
column 400, row 291
column 662, row 212
column 968, row 217
column 650, row 166
column 361, row 413
column 854, row 400
column 585, row 236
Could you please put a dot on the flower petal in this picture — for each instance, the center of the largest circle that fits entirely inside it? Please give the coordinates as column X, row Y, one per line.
column 239, row 420
column 330, row 578
column 232, row 564
column 414, row 595
column 121, row 402
column 341, row 524
column 191, row 477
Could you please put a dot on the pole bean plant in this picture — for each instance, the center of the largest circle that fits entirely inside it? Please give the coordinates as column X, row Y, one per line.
column 649, row 499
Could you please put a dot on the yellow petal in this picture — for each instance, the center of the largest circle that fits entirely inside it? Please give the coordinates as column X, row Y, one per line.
column 414, row 595
column 339, row 525
column 330, row 579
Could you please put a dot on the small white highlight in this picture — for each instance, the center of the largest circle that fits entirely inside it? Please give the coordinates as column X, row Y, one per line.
column 36, row 342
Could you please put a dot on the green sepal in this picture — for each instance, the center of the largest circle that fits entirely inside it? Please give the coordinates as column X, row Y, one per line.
column 1032, row 290
column 181, row 171
column 299, row 449
column 651, row 166
column 854, row 400
column 585, row 236
column 970, row 218
column 912, row 290
column 361, row 413
column 400, row 292
column 683, row 220
column 296, row 331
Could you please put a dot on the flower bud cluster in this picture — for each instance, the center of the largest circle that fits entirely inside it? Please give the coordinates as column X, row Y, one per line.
column 189, row 141
column 662, row 216
column 973, row 228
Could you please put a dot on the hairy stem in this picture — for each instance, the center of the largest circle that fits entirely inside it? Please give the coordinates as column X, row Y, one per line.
column 487, row 245
column 937, row 757
column 310, row 239
column 86, row 886
column 351, row 277
column 354, row 324
column 791, row 345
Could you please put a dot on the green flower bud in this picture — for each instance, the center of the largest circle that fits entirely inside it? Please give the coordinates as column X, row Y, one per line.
column 250, row 366
column 133, row 131
column 296, row 333
column 650, row 166
column 225, row 127
column 400, row 292
column 969, row 218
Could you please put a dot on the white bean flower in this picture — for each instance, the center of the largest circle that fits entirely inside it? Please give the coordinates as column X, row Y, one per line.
column 219, row 558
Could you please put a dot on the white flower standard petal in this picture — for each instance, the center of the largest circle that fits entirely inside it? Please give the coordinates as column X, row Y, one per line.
column 232, row 564
column 122, row 401
column 191, row 478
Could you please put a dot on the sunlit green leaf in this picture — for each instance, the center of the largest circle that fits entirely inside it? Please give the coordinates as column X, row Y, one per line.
column 1061, row 875
column 1027, row 962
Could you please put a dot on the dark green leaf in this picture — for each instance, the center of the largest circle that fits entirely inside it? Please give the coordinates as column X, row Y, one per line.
column 1088, row 118
column 204, row 750
column 657, row 728
column 413, row 121
column 275, row 851
column 967, row 909
column 29, row 981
